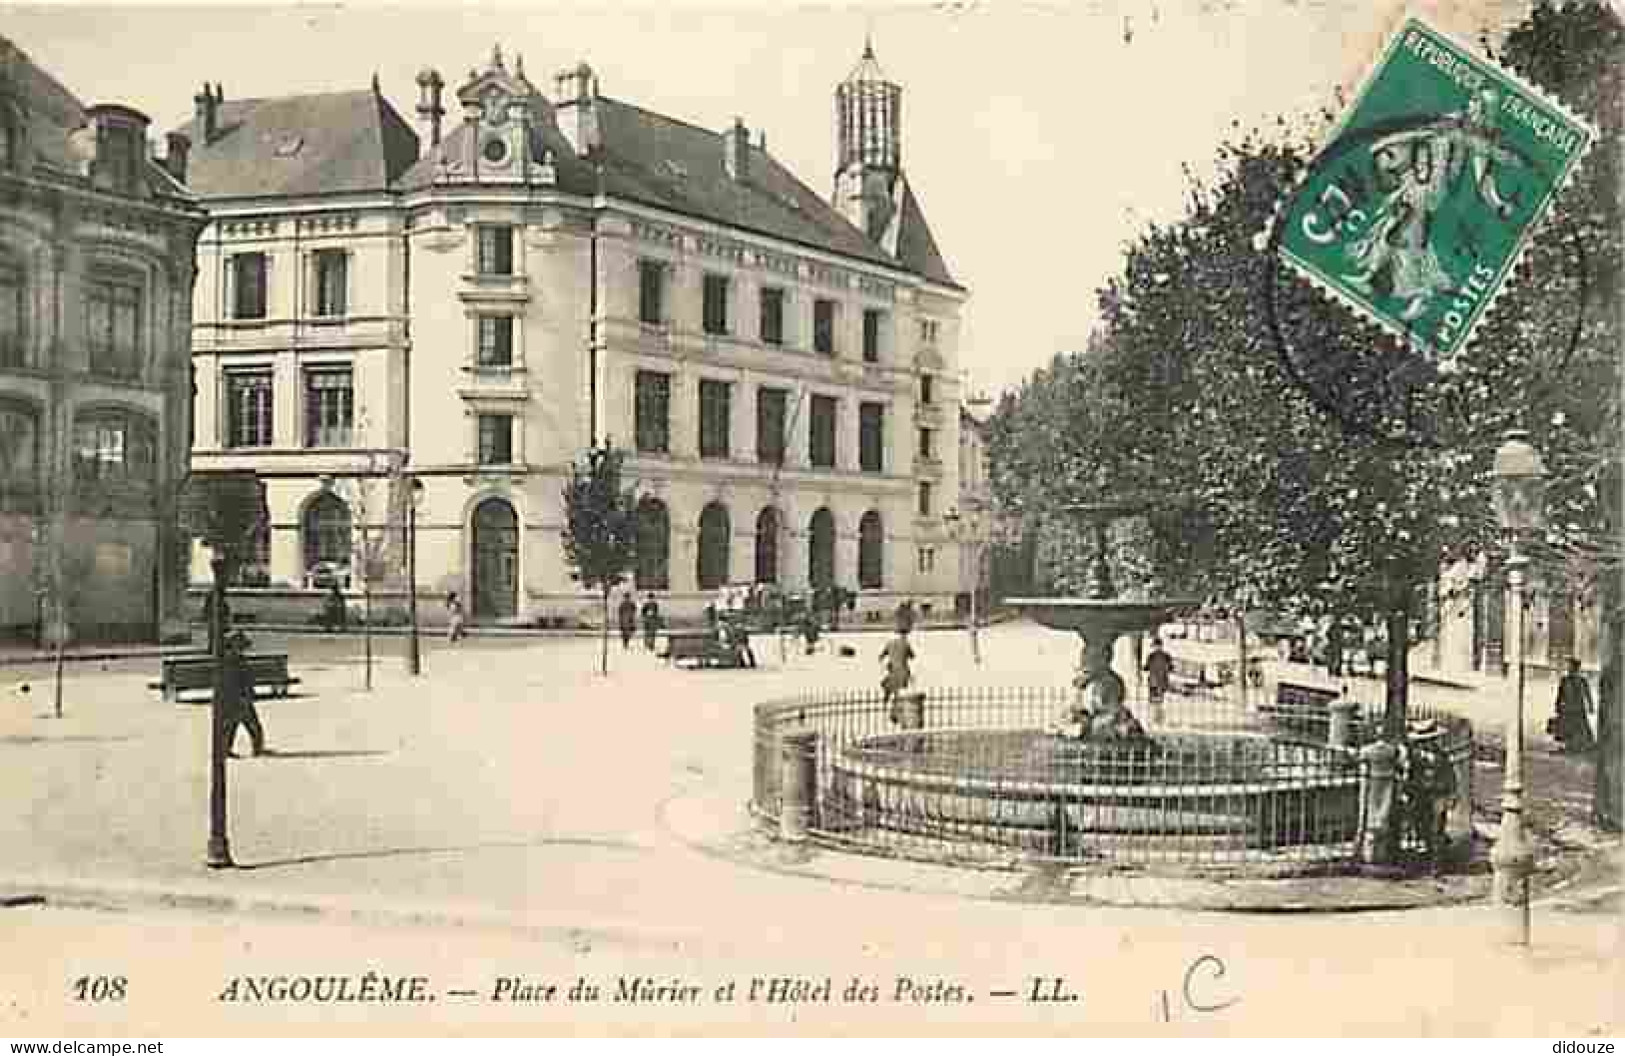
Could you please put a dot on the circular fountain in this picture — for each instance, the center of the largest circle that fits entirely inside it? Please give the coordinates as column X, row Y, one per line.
column 1082, row 772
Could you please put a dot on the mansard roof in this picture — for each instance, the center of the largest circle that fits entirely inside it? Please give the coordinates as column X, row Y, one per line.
column 301, row 144
column 353, row 141
column 57, row 138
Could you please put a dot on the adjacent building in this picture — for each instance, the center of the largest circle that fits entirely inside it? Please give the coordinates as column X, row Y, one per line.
column 96, row 270
column 530, row 273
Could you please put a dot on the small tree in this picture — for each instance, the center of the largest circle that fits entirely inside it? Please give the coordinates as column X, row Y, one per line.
column 376, row 522
column 600, row 527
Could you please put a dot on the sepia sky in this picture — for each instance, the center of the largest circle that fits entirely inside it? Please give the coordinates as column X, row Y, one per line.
column 1039, row 137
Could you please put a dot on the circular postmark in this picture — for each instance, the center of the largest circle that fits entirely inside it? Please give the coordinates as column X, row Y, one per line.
column 1409, row 210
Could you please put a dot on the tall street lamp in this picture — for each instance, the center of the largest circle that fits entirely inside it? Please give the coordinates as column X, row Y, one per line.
column 414, row 650
column 1520, row 494
column 961, row 527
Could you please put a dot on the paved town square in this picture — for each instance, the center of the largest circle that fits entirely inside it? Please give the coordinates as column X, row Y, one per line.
column 520, row 813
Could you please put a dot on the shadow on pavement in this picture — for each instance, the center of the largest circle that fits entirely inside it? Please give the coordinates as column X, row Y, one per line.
column 277, row 753
column 81, row 738
column 403, row 852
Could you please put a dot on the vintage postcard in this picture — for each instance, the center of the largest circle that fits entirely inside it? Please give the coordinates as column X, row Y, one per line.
column 779, row 519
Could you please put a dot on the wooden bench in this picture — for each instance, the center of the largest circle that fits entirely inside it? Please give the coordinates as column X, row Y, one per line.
column 192, row 674
column 701, row 646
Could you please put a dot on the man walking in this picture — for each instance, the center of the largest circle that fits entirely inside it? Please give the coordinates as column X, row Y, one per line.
column 238, row 687
column 1159, row 668
column 627, row 614
column 651, row 621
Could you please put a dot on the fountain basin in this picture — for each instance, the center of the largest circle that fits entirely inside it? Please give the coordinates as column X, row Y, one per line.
column 1031, row 791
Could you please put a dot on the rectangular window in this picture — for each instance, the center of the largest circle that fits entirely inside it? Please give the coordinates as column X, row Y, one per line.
column 771, row 405
column 824, row 326
column 249, row 293
column 873, row 318
column 496, row 439
column 926, row 452
column 772, row 316
column 113, row 327
column 872, row 437
column 331, row 274
column 821, row 438
column 495, row 341
column 13, row 316
column 926, row 559
column 652, row 292
column 651, row 398
column 114, row 446
column 716, row 304
column 329, row 407
column 925, row 498
column 714, row 411
column 248, row 409
column 494, row 249
column 926, row 386
column 928, row 331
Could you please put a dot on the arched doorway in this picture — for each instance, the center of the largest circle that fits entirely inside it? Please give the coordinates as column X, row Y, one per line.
column 652, row 569
column 711, row 569
column 821, row 549
column 496, row 560
column 871, row 551
column 767, row 545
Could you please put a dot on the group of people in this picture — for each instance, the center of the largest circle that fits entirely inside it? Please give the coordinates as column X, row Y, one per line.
column 627, row 613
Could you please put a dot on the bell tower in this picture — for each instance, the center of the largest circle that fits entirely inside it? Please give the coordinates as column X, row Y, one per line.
column 868, row 146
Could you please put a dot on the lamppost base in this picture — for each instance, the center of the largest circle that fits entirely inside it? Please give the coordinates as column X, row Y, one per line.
column 218, row 855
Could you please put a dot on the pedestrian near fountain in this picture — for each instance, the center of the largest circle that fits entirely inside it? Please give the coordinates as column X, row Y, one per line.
column 627, row 614
column 1159, row 668
column 1569, row 724
column 897, row 655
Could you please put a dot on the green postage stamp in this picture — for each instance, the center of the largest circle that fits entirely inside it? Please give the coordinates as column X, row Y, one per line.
column 1417, row 210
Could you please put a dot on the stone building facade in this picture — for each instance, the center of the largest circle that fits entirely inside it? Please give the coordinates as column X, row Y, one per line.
column 540, row 272
column 96, row 271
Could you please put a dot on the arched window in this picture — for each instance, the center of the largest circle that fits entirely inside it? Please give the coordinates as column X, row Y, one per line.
column 821, row 549
column 712, row 561
column 871, row 551
column 326, row 532
column 767, row 545
column 653, row 570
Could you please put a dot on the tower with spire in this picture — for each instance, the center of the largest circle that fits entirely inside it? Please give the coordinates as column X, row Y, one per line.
column 868, row 146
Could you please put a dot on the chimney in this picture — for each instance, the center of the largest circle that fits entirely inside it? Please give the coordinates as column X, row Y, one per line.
column 206, row 111
column 736, row 152
column 574, row 109
column 430, row 106
column 176, row 147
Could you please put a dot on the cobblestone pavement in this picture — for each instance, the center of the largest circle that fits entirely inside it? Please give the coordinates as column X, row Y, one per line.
column 514, row 786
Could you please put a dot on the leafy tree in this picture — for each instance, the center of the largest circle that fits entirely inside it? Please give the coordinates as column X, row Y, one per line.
column 600, row 531
column 1263, row 498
